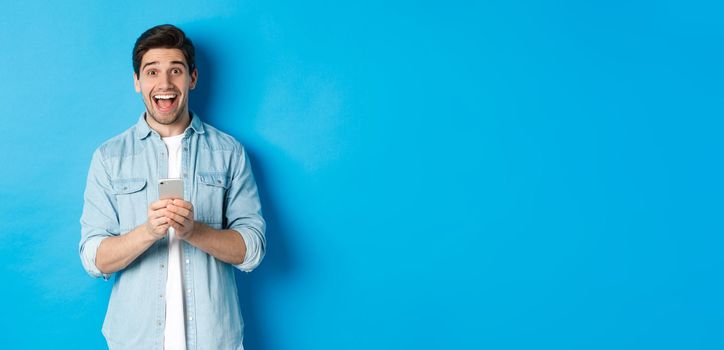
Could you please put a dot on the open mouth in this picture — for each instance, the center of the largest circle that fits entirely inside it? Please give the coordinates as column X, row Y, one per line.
column 165, row 102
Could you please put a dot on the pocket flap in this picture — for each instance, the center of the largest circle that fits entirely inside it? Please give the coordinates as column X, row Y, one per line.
column 214, row 179
column 126, row 186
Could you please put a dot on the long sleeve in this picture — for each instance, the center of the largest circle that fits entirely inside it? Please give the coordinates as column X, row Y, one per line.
column 243, row 213
column 99, row 219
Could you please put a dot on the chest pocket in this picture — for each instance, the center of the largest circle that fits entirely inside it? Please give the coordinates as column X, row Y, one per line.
column 211, row 198
column 132, row 202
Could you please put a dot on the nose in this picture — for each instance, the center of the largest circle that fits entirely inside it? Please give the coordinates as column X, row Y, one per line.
column 165, row 80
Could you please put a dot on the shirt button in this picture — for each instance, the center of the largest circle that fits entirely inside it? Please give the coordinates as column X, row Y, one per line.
column 161, row 265
column 159, row 323
column 187, row 261
column 188, row 291
column 191, row 318
column 160, row 295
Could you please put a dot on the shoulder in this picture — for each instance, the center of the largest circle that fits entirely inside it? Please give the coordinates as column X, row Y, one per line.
column 118, row 146
column 217, row 140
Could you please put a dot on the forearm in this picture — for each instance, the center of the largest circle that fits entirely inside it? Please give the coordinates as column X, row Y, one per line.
column 225, row 245
column 117, row 252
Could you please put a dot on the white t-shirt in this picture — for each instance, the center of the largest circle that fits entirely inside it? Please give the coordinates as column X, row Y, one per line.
column 175, row 332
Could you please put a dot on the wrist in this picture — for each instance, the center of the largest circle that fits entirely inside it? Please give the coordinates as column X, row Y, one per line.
column 195, row 230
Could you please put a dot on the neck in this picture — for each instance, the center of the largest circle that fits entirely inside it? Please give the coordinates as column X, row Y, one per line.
column 176, row 128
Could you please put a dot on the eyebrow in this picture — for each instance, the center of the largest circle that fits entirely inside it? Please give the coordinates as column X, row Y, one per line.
column 156, row 62
column 148, row 64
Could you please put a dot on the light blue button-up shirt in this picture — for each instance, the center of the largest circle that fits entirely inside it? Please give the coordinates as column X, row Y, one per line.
column 218, row 181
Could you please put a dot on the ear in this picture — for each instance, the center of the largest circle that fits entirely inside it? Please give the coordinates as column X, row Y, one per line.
column 194, row 79
column 136, row 83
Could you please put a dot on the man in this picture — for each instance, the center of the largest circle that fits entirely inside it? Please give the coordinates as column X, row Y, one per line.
column 173, row 259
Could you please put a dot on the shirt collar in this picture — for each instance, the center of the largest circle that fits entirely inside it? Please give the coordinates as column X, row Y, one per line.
column 143, row 130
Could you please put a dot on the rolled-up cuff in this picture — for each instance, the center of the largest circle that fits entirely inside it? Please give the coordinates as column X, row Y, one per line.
column 254, row 250
column 88, row 252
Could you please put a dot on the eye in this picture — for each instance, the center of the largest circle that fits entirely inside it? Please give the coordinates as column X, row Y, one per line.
column 176, row 71
column 151, row 72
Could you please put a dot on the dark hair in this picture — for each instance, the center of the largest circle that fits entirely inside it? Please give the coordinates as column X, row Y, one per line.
column 166, row 36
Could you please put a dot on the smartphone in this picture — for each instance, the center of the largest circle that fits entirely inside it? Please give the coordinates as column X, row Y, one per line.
column 171, row 189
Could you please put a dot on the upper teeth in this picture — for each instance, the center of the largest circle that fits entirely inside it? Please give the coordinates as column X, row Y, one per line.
column 164, row 97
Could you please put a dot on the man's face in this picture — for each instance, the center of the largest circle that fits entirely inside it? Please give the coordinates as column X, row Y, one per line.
column 164, row 82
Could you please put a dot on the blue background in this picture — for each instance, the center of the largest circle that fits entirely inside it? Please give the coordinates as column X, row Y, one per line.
column 459, row 175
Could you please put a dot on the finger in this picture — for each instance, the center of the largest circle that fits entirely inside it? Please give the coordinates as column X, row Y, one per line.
column 182, row 203
column 157, row 213
column 178, row 228
column 153, row 214
column 163, row 229
column 180, row 211
column 175, row 218
column 159, row 222
column 159, row 204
